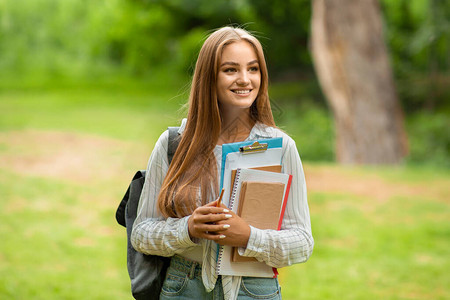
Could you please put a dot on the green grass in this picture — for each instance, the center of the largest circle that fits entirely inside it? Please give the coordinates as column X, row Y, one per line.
column 380, row 232
column 392, row 250
column 57, row 242
column 111, row 109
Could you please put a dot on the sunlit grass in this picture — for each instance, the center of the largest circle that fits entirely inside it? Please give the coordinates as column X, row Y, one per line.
column 380, row 232
column 393, row 249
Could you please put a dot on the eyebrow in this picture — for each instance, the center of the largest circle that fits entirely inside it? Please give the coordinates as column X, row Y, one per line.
column 236, row 64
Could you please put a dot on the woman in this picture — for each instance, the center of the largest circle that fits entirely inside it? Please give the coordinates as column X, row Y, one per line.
column 177, row 214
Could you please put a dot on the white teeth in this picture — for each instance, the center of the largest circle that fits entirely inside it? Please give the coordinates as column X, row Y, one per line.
column 241, row 91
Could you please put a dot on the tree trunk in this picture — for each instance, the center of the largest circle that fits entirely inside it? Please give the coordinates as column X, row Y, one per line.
column 352, row 65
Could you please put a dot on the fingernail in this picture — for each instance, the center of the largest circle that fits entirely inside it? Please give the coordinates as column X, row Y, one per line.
column 226, row 210
column 226, row 226
column 222, row 236
column 228, row 216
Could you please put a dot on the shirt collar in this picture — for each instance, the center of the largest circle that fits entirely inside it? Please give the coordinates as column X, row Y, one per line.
column 258, row 131
column 182, row 126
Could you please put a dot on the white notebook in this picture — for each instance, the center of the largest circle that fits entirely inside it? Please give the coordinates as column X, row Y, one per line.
column 254, row 268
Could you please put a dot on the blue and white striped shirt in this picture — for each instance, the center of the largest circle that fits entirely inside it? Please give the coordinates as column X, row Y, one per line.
column 152, row 234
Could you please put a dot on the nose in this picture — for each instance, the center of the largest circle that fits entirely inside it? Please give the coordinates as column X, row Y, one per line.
column 243, row 79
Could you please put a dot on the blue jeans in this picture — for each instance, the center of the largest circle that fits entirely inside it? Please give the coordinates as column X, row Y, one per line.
column 184, row 281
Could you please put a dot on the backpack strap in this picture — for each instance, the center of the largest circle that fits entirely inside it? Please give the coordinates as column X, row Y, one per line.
column 174, row 140
column 138, row 180
column 136, row 185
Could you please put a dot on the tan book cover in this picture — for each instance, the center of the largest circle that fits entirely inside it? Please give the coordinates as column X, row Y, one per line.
column 259, row 205
column 274, row 168
column 225, row 265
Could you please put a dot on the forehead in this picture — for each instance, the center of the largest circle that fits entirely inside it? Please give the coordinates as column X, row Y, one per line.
column 238, row 51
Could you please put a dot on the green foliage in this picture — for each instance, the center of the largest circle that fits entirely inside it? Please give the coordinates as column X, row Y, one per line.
column 52, row 38
column 189, row 47
column 141, row 37
column 429, row 139
column 418, row 36
column 75, row 38
column 285, row 31
column 90, row 39
column 307, row 121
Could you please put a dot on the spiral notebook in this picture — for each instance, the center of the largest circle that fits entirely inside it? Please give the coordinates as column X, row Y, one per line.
column 256, row 199
column 225, row 265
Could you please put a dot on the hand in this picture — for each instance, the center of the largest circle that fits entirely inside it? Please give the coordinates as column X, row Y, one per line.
column 237, row 234
column 204, row 222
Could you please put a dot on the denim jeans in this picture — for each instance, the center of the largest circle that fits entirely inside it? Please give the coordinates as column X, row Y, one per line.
column 184, row 281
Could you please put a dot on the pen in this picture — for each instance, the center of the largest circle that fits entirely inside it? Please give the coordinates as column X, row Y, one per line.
column 220, row 198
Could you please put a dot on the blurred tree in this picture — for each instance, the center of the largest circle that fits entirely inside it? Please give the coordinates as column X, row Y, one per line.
column 352, row 64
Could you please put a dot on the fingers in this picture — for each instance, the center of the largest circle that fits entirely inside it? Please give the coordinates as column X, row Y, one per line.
column 210, row 228
column 209, row 214
column 211, row 209
column 203, row 222
column 210, row 222
column 209, row 231
column 210, row 218
column 218, row 238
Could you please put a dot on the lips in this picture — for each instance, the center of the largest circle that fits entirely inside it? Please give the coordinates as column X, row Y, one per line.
column 241, row 92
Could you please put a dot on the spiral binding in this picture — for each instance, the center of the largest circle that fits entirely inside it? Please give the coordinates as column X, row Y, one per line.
column 235, row 186
column 232, row 198
column 219, row 259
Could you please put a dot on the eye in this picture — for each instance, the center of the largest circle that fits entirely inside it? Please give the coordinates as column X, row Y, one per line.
column 229, row 70
column 254, row 69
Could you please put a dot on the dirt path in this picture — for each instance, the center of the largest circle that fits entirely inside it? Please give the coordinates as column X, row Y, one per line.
column 66, row 156
column 368, row 184
column 87, row 159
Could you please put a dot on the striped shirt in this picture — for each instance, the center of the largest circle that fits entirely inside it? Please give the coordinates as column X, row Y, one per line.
column 152, row 234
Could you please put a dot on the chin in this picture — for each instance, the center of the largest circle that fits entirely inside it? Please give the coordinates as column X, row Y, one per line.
column 244, row 104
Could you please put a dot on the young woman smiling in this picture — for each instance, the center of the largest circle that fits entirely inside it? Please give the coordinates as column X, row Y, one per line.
column 177, row 214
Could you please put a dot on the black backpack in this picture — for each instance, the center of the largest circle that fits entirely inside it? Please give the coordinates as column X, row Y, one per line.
column 147, row 272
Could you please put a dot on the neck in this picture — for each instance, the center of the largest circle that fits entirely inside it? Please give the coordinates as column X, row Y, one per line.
column 235, row 127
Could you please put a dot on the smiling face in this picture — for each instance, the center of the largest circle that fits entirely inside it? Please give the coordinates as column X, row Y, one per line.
column 239, row 77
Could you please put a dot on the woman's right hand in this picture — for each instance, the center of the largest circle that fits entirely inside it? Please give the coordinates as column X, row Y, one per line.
column 201, row 223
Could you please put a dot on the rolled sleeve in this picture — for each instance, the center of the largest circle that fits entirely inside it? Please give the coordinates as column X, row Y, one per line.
column 255, row 245
column 183, row 233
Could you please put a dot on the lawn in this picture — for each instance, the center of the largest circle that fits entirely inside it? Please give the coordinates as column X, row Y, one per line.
column 66, row 155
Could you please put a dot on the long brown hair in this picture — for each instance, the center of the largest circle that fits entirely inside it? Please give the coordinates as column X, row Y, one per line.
column 192, row 174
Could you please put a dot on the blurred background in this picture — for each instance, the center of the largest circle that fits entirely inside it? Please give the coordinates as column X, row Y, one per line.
column 87, row 87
